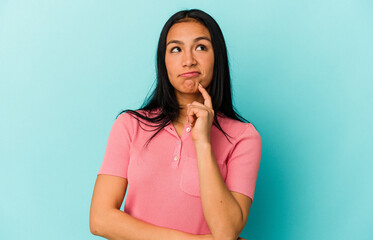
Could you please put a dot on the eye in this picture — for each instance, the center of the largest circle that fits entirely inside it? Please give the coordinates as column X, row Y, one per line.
column 203, row 46
column 172, row 49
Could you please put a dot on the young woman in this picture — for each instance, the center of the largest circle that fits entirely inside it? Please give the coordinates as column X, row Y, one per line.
column 189, row 160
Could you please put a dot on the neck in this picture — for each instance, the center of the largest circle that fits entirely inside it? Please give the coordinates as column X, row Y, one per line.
column 183, row 100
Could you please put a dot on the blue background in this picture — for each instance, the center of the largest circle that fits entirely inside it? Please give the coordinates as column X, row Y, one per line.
column 301, row 73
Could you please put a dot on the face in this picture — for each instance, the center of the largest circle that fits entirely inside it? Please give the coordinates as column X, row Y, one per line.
column 189, row 49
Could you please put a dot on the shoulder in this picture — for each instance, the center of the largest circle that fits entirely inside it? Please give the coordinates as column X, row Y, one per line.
column 133, row 118
column 130, row 115
column 127, row 119
column 237, row 129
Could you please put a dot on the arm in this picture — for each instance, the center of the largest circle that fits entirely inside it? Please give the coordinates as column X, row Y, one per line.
column 108, row 221
column 225, row 212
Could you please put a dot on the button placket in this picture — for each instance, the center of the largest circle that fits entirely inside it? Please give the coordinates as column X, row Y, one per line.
column 170, row 128
column 177, row 154
column 188, row 127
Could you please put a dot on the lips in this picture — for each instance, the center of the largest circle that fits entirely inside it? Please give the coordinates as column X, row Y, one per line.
column 190, row 74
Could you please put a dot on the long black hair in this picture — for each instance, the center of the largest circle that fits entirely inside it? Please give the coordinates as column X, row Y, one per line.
column 163, row 97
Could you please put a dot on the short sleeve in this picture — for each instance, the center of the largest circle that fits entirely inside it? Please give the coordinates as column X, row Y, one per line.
column 117, row 151
column 243, row 163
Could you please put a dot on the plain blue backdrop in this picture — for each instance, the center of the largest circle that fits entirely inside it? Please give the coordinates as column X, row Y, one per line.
column 301, row 73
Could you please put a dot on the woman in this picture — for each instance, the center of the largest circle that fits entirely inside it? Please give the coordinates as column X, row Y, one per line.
column 189, row 160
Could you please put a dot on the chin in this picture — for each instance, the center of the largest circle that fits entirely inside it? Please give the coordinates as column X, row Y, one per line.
column 189, row 91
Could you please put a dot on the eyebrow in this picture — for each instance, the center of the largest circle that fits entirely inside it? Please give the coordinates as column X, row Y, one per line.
column 195, row 40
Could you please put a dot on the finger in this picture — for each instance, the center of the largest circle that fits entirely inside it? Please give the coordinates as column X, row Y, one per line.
column 195, row 103
column 194, row 112
column 205, row 95
column 190, row 118
column 204, row 107
column 187, row 116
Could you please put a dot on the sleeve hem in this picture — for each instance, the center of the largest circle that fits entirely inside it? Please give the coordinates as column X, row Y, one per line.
column 242, row 192
column 112, row 174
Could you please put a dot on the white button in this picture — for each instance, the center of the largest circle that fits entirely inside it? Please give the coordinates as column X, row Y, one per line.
column 176, row 158
column 188, row 129
column 178, row 142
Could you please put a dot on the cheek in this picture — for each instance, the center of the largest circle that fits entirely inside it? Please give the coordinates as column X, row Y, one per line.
column 170, row 66
column 210, row 65
column 212, row 60
column 209, row 62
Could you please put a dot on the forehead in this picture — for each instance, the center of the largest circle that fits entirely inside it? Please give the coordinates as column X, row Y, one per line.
column 187, row 30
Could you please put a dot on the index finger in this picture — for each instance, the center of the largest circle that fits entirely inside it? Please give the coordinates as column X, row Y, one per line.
column 205, row 95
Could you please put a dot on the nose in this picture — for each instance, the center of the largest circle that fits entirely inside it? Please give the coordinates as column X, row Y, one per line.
column 188, row 59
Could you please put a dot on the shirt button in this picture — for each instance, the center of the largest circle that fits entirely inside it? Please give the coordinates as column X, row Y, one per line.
column 178, row 142
column 188, row 129
column 176, row 158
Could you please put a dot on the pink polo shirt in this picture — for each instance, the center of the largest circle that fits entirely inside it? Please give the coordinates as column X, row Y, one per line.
column 163, row 184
